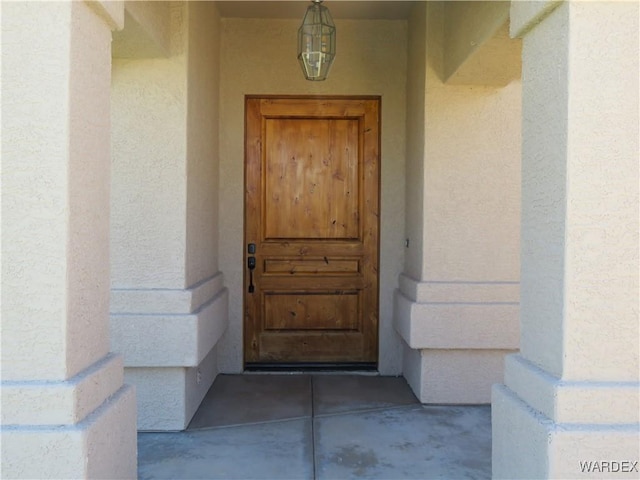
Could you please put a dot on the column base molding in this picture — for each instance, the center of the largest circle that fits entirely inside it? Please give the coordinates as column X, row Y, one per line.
column 528, row 444
column 168, row 328
column 169, row 338
column 453, row 376
column 573, row 402
column 61, row 402
column 168, row 397
column 102, row 445
column 456, row 335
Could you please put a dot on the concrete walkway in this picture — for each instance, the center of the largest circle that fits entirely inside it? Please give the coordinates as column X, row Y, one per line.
column 320, row 427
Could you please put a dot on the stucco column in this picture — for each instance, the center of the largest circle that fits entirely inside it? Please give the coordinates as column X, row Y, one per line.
column 456, row 307
column 65, row 410
column 168, row 299
column 569, row 407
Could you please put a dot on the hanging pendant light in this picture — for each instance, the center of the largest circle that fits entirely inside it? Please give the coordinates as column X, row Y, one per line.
column 316, row 42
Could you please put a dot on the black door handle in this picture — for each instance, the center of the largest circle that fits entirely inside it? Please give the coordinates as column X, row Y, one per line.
column 251, row 265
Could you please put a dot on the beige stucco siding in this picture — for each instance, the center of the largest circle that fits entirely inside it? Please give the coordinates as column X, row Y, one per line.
column 149, row 176
column 168, row 301
column 572, row 394
column 203, row 64
column 415, row 138
column 65, row 410
column 457, row 303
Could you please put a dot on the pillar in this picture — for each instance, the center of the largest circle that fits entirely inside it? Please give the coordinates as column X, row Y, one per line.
column 456, row 307
column 65, row 410
column 569, row 404
column 168, row 299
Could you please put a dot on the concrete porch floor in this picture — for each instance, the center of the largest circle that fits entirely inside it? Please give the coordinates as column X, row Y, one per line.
column 320, row 426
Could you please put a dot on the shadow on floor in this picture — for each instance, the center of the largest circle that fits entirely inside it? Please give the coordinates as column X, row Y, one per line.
column 320, row 427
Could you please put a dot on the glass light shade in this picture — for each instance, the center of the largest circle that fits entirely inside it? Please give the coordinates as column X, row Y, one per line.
column 316, row 42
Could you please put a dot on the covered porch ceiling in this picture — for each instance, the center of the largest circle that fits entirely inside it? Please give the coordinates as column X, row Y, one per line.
column 340, row 9
column 475, row 41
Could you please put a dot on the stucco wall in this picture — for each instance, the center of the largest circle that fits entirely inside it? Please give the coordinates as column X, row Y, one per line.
column 55, row 245
column 168, row 301
column 416, row 113
column 472, row 179
column 572, row 291
column 170, row 208
column 147, row 31
column 458, row 296
column 478, row 49
column 463, row 163
column 148, row 192
column 65, row 411
column 259, row 57
column 572, row 394
column 203, row 63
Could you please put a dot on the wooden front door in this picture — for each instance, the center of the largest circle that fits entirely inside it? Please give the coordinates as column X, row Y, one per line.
column 312, row 173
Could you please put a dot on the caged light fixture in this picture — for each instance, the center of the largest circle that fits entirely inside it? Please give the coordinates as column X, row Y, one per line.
column 316, row 42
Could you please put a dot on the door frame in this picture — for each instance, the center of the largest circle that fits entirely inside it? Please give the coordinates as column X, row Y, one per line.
column 315, row 366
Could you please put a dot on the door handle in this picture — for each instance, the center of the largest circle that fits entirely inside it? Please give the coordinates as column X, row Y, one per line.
column 251, row 265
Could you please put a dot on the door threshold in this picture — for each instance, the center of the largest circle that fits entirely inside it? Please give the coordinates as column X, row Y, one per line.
column 340, row 368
